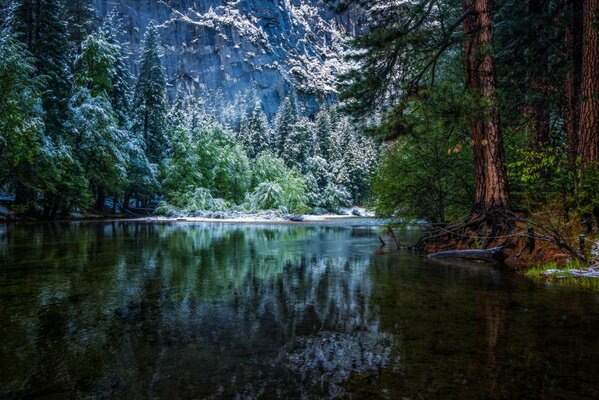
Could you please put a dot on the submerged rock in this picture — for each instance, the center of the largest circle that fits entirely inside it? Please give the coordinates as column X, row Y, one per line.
column 296, row 218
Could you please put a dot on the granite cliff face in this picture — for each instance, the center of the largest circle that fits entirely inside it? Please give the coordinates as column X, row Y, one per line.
column 232, row 46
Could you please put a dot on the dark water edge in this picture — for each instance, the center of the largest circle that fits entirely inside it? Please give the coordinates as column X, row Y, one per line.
column 133, row 309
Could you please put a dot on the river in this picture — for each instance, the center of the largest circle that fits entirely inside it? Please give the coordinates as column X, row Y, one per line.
column 141, row 310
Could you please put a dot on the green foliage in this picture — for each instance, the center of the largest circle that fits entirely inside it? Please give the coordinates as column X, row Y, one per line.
column 81, row 20
column 98, row 141
column 588, row 190
column 72, row 135
column 285, row 122
column 538, row 176
column 21, row 123
column 61, row 179
column 427, row 175
column 41, row 27
column 334, row 197
column 232, row 174
column 149, row 100
column 268, row 168
column 254, row 134
column 295, row 197
column 95, row 66
column 267, row 196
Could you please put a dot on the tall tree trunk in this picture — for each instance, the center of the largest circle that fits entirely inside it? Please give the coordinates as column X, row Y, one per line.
column 476, row 130
column 588, row 146
column 573, row 38
column 536, row 109
column 487, row 138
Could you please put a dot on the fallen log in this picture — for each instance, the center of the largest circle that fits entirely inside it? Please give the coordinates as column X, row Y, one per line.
column 489, row 255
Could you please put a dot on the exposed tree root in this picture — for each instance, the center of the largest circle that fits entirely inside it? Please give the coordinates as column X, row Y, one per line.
column 499, row 228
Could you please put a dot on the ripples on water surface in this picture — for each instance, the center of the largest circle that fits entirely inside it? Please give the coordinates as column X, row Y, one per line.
column 191, row 311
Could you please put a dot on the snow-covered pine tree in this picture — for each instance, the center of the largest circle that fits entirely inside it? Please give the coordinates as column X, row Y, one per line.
column 285, row 121
column 360, row 163
column 322, row 137
column 98, row 140
column 21, row 124
column 298, row 144
column 81, row 18
column 254, row 134
column 95, row 66
column 149, row 100
column 121, row 80
column 40, row 25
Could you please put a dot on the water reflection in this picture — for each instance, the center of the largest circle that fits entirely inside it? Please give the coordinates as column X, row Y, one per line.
column 140, row 310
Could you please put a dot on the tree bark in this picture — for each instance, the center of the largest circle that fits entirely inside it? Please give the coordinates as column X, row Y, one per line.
column 573, row 39
column 487, row 137
column 488, row 255
column 470, row 29
column 588, row 146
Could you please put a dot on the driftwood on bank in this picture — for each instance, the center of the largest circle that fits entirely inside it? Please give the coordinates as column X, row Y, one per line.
column 488, row 255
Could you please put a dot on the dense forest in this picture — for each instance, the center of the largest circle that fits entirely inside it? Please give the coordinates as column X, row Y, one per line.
column 479, row 117
column 79, row 133
column 493, row 112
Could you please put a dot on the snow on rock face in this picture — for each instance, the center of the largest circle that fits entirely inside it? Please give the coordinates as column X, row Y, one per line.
column 233, row 45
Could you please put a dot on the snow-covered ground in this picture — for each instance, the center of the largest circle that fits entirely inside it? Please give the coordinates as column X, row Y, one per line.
column 574, row 273
column 352, row 214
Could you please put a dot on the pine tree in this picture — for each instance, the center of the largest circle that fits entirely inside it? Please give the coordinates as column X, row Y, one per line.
column 95, row 67
column 81, row 19
column 98, row 139
column 149, row 101
column 98, row 142
column 21, row 124
column 254, row 134
column 285, row 121
column 121, row 79
column 40, row 26
column 322, row 138
column 298, row 144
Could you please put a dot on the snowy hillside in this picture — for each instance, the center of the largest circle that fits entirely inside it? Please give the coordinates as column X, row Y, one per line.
column 232, row 46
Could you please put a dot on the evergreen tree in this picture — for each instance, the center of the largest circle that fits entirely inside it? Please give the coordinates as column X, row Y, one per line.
column 81, row 18
column 95, row 67
column 121, row 79
column 98, row 139
column 285, row 121
column 254, row 134
column 41, row 27
column 21, row 124
column 298, row 144
column 99, row 143
column 322, row 136
column 149, row 101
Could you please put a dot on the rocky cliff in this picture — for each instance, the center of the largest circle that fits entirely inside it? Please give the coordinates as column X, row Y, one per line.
column 270, row 46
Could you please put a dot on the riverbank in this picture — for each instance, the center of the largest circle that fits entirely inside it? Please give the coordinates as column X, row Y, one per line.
column 256, row 219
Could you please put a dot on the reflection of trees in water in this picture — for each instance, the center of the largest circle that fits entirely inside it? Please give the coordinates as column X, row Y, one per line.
column 137, row 309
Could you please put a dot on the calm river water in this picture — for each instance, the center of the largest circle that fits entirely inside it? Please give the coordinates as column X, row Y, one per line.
column 137, row 310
